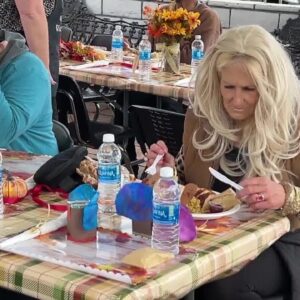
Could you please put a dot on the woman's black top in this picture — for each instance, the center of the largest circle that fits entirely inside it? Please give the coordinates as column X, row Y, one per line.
column 220, row 186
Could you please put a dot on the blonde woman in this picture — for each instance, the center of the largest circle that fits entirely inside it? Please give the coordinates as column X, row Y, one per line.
column 244, row 122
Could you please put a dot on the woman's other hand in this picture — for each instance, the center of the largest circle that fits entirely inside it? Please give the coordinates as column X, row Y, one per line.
column 160, row 148
column 126, row 44
column 262, row 193
column 3, row 45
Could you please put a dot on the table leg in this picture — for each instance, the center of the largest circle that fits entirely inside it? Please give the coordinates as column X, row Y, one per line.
column 158, row 101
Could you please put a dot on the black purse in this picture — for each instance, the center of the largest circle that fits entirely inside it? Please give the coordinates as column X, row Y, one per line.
column 60, row 170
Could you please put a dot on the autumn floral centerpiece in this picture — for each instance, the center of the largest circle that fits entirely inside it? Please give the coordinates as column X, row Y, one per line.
column 169, row 27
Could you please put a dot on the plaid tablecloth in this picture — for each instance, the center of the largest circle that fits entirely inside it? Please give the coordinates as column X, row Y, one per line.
column 160, row 84
column 215, row 255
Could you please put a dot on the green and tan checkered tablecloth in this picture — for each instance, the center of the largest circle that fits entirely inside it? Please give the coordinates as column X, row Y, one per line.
column 160, row 84
column 215, row 255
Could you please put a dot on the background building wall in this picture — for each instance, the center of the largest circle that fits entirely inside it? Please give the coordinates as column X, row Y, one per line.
column 232, row 13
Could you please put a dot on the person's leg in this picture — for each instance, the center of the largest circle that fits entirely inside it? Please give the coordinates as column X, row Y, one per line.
column 54, row 22
column 266, row 276
column 54, row 108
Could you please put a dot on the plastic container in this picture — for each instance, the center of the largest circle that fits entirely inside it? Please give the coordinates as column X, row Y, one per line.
column 109, row 178
column 117, row 45
column 145, row 58
column 165, row 230
column 197, row 53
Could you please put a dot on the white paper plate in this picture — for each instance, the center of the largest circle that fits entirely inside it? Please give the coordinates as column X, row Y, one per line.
column 211, row 216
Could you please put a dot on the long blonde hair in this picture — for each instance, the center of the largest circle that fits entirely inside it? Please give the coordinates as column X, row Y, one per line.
column 273, row 135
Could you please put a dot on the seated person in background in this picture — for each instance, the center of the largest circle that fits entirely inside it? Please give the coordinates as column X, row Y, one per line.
column 25, row 99
column 210, row 27
column 244, row 121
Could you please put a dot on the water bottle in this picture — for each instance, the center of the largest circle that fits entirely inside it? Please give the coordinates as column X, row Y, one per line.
column 109, row 179
column 165, row 230
column 117, row 45
column 1, row 186
column 197, row 53
column 145, row 58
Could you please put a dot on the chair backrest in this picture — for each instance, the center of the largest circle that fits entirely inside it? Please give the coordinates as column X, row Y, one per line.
column 153, row 124
column 102, row 40
column 69, row 101
column 86, row 25
column 62, row 135
column 66, row 33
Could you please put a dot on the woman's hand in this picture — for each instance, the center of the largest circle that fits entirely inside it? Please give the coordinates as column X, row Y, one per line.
column 160, row 148
column 3, row 45
column 262, row 193
column 126, row 44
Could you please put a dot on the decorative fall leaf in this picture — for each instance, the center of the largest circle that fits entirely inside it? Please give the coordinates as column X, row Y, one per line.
column 80, row 52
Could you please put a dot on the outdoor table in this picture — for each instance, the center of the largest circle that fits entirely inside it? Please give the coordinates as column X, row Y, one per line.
column 161, row 84
column 215, row 255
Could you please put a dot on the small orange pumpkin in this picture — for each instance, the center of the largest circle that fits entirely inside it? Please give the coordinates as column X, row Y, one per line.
column 14, row 188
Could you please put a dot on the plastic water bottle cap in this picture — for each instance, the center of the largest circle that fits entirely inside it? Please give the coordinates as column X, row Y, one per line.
column 198, row 37
column 166, row 172
column 118, row 27
column 145, row 37
column 108, row 138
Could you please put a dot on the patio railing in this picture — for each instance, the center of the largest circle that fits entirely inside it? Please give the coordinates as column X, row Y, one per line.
column 86, row 26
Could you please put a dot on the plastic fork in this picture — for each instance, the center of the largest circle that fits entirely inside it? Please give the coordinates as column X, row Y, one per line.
column 152, row 169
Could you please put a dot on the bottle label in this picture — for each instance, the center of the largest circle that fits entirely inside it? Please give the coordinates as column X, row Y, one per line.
column 145, row 55
column 109, row 173
column 117, row 44
column 1, row 188
column 166, row 214
column 197, row 54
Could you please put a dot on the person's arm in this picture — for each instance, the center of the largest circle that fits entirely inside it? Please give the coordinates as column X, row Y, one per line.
column 209, row 29
column 23, row 86
column 292, row 203
column 179, row 165
column 34, row 22
column 292, row 188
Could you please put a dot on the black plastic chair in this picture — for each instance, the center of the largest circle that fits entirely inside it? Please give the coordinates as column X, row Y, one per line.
column 102, row 40
column 153, row 124
column 72, row 113
column 100, row 95
column 62, row 135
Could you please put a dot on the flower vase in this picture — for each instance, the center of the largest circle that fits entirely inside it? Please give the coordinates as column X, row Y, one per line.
column 171, row 57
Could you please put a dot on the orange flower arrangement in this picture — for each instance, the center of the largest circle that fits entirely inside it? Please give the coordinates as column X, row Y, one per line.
column 171, row 26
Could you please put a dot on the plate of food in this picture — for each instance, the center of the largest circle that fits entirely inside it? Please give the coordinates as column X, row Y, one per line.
column 205, row 204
